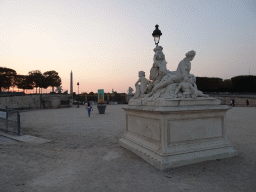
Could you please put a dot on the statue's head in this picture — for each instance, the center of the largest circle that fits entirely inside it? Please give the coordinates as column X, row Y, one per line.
column 192, row 78
column 190, row 55
column 141, row 74
column 158, row 48
column 130, row 90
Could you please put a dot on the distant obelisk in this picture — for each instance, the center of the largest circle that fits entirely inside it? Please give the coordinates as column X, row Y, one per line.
column 71, row 83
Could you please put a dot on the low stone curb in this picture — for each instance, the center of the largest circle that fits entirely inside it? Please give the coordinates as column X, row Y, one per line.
column 26, row 138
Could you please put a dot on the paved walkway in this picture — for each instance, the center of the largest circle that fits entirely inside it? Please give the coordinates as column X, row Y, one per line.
column 84, row 155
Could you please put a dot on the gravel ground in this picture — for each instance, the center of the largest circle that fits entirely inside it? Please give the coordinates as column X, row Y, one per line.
column 84, row 155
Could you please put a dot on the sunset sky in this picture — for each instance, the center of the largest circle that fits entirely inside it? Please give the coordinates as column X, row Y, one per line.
column 106, row 43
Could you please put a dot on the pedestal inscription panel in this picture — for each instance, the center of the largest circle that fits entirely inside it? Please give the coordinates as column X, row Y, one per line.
column 146, row 127
column 192, row 129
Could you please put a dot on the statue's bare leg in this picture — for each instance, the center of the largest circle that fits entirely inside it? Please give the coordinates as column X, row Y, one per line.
column 200, row 94
column 160, row 85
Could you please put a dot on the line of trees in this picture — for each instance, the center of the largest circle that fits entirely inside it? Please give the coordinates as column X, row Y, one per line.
column 34, row 79
column 242, row 83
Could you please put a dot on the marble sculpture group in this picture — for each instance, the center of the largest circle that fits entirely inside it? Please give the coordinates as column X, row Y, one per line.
column 165, row 84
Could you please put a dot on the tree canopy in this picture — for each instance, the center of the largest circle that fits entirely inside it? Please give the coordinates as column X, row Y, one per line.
column 38, row 79
column 24, row 82
column 228, row 85
column 35, row 77
column 209, row 84
column 53, row 79
column 7, row 78
column 244, row 83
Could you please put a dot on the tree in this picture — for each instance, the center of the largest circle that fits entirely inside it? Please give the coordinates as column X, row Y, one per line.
column 7, row 76
column 43, row 83
column 227, row 85
column 52, row 79
column 211, row 84
column 36, row 77
column 39, row 80
column 24, row 82
column 244, row 83
column 92, row 97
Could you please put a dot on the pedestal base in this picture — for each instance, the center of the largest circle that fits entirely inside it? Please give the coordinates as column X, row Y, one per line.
column 162, row 162
column 169, row 137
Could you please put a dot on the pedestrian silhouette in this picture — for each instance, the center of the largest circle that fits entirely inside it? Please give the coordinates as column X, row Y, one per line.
column 89, row 109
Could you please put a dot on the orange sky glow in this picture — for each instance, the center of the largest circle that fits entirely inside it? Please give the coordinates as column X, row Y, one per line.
column 106, row 43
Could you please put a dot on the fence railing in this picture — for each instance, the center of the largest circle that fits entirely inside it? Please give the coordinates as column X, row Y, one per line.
column 10, row 121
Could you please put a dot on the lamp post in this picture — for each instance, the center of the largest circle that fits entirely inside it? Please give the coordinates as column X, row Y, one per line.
column 78, row 94
column 156, row 34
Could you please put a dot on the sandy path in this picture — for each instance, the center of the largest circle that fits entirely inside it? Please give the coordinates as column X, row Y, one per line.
column 85, row 156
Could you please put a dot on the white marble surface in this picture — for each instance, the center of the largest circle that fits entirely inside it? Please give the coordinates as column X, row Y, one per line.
column 162, row 102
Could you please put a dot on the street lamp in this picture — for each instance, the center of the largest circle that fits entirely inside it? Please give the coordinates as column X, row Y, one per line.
column 78, row 87
column 156, row 34
column 78, row 93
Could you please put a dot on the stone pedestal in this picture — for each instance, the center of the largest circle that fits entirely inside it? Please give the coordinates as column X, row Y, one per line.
column 179, row 133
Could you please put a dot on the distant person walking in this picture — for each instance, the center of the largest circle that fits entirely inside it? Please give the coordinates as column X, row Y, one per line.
column 233, row 102
column 247, row 103
column 86, row 106
column 89, row 109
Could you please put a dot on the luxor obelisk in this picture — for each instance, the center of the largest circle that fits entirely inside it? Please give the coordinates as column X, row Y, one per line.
column 71, row 84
